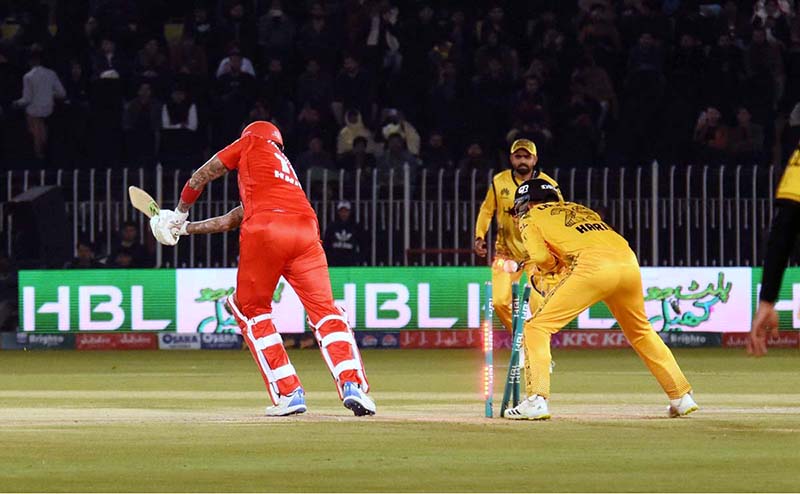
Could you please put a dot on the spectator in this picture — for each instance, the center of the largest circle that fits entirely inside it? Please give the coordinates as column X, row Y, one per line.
column 276, row 31
column 85, row 258
column 71, row 140
column 645, row 16
column 595, row 82
column 711, row 136
column 106, row 106
column 530, row 103
column 311, row 122
column 580, row 135
column 424, row 32
column 396, row 155
column 234, row 94
column 141, row 122
column 106, row 63
column 381, row 48
column 260, row 112
column 354, row 127
column 41, row 87
column 764, row 57
column 746, row 140
column 152, row 65
column 187, row 57
column 493, row 49
column 317, row 40
column 724, row 72
column 314, row 157
column 646, row 55
column 459, row 39
column 772, row 15
column 792, row 92
column 198, row 26
column 128, row 245
column 474, row 159
column 599, row 34
column 314, row 86
column 495, row 23
column 395, row 123
column 236, row 28
column 790, row 137
column 122, row 259
column 178, row 130
column 358, row 157
column 344, row 241
column 235, row 62
column 353, row 88
column 276, row 88
column 435, row 154
column 733, row 23
column 492, row 100
column 446, row 108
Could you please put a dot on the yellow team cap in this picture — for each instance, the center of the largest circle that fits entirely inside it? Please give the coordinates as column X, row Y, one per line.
column 525, row 144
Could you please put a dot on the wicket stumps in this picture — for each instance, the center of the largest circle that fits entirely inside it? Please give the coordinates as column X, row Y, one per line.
column 518, row 311
column 488, row 348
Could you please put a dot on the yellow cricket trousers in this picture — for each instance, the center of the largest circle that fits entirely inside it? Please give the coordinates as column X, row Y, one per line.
column 613, row 277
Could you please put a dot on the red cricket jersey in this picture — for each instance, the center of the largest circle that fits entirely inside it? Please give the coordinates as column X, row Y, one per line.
column 267, row 181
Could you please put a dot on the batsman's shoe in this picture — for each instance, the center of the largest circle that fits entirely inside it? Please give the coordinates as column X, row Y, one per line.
column 290, row 404
column 682, row 406
column 356, row 400
column 532, row 408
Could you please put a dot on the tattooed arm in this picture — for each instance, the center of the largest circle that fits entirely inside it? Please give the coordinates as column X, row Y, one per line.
column 217, row 224
column 212, row 170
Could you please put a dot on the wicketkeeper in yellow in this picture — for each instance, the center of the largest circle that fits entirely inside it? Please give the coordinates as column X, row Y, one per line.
column 499, row 202
column 595, row 264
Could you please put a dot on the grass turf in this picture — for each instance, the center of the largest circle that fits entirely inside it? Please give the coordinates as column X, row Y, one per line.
column 191, row 421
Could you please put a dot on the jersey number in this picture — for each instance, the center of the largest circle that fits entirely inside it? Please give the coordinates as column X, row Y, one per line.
column 287, row 171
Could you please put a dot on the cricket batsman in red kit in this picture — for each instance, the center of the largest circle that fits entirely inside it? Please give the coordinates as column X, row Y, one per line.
column 278, row 236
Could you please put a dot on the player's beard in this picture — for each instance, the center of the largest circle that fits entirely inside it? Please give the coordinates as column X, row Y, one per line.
column 522, row 170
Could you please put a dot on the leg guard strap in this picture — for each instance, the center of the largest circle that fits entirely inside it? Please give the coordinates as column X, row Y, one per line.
column 342, row 336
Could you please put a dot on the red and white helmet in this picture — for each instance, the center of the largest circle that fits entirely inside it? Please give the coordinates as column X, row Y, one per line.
column 265, row 130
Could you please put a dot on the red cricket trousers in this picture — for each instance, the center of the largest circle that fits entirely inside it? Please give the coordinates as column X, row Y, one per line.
column 275, row 244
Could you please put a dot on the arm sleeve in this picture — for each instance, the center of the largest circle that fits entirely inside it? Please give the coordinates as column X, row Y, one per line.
column 192, row 124
column 165, row 122
column 536, row 246
column 58, row 88
column 247, row 67
column 230, row 155
column 27, row 92
column 222, row 68
column 486, row 213
column 779, row 247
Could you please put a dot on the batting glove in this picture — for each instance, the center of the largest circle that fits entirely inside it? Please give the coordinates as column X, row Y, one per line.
column 163, row 230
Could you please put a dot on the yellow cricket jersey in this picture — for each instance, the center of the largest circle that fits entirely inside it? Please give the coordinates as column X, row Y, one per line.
column 789, row 186
column 566, row 229
column 500, row 198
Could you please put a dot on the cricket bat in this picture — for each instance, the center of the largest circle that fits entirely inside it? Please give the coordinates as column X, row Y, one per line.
column 143, row 201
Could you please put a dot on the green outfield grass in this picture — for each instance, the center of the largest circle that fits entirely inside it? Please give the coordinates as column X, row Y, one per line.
column 190, row 421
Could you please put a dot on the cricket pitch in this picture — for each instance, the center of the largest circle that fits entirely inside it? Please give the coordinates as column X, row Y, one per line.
column 192, row 421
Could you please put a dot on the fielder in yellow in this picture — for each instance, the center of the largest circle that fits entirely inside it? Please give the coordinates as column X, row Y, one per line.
column 780, row 244
column 499, row 202
column 595, row 264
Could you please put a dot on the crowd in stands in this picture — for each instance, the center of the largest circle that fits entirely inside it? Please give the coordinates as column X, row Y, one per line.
column 381, row 83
